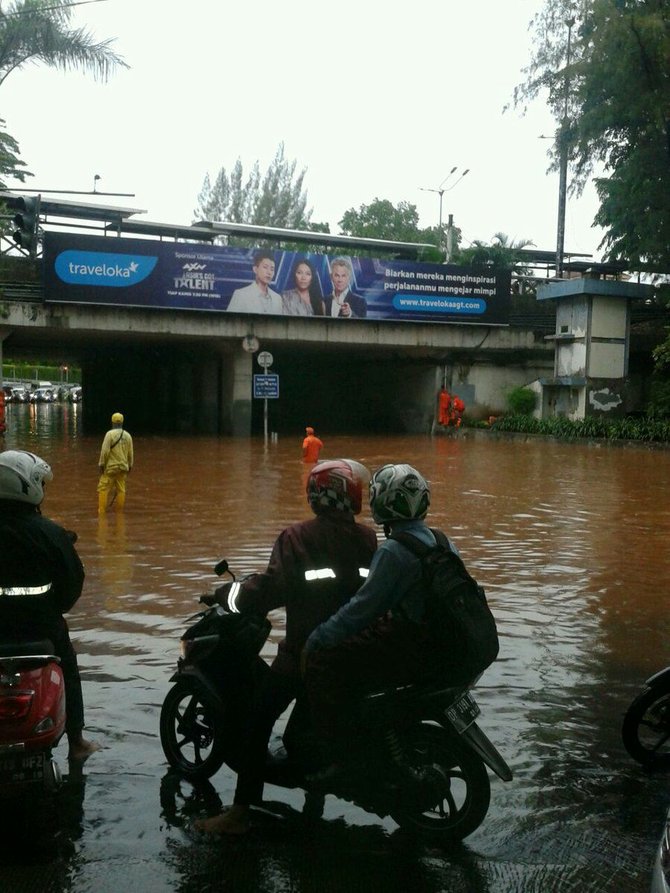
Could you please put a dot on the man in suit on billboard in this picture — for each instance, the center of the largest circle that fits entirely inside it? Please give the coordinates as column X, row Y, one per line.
column 258, row 297
column 342, row 302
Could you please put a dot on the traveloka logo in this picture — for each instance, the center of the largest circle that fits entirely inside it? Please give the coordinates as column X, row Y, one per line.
column 103, row 268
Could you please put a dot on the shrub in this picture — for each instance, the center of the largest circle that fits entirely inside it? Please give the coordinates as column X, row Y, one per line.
column 522, row 401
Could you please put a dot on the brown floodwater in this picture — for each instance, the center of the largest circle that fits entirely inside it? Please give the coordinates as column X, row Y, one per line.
column 571, row 543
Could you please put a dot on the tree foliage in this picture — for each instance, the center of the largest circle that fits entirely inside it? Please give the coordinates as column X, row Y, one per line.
column 10, row 163
column 612, row 100
column 503, row 253
column 38, row 31
column 381, row 219
column 274, row 198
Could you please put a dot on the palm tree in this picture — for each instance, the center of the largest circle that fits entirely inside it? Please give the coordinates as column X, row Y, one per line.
column 503, row 253
column 38, row 31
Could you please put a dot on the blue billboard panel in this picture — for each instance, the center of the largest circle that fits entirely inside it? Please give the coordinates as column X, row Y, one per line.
column 149, row 273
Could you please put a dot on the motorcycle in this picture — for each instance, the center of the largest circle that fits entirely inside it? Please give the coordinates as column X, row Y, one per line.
column 646, row 724
column 425, row 758
column 32, row 718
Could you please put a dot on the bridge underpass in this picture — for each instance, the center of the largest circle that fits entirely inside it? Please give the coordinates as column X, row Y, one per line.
column 187, row 371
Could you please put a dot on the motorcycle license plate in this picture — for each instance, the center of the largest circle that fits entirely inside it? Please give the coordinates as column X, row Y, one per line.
column 24, row 767
column 463, row 712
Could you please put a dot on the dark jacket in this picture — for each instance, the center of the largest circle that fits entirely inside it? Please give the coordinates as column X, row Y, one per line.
column 315, row 567
column 358, row 304
column 34, row 552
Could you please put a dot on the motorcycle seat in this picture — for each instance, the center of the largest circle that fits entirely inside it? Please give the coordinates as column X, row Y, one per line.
column 26, row 648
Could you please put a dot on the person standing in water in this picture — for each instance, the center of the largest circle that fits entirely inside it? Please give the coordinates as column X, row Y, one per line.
column 311, row 446
column 115, row 463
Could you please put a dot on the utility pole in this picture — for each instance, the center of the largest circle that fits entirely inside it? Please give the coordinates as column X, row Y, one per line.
column 563, row 147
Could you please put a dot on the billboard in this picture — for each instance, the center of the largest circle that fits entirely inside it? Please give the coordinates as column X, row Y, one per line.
column 183, row 276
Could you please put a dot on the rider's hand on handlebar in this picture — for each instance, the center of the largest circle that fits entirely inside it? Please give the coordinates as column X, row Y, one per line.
column 208, row 600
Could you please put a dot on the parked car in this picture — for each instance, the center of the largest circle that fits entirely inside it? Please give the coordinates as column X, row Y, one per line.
column 75, row 394
column 660, row 882
column 43, row 395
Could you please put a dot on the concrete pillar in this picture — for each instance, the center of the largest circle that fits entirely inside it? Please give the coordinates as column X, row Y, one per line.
column 240, row 410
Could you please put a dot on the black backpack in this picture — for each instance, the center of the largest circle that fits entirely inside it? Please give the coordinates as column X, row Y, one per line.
column 457, row 613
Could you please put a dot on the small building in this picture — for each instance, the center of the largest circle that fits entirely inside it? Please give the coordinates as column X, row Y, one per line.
column 591, row 347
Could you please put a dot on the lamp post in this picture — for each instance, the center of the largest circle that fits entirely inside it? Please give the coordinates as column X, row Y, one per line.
column 441, row 190
column 563, row 161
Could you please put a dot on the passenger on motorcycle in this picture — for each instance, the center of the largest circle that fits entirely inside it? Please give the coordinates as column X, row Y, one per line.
column 41, row 578
column 314, row 568
column 379, row 638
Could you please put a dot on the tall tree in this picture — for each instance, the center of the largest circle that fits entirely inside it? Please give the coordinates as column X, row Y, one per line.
column 381, row 219
column 613, row 104
column 503, row 253
column 10, row 163
column 274, row 198
column 38, row 31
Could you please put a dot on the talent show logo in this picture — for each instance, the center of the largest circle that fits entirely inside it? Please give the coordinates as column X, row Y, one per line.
column 194, row 278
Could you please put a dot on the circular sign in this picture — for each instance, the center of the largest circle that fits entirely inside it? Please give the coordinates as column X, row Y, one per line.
column 265, row 359
column 250, row 343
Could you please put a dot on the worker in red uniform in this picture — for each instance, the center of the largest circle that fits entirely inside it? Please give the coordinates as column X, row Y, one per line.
column 311, row 446
column 443, row 407
column 457, row 410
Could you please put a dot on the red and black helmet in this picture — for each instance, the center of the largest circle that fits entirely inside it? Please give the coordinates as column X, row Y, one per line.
column 337, row 484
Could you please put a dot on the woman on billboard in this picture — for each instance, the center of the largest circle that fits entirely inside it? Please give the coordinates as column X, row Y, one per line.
column 304, row 298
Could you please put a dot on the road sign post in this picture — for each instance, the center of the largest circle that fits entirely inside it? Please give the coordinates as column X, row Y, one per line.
column 265, row 359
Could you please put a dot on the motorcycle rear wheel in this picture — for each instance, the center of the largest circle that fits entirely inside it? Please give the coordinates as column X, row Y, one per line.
column 458, row 781
column 192, row 730
column 646, row 728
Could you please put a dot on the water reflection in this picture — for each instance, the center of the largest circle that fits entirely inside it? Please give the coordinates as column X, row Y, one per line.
column 570, row 542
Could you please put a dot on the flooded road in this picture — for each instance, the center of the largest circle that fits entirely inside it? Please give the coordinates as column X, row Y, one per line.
column 571, row 543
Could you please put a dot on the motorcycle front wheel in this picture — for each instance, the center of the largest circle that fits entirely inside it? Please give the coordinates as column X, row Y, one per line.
column 646, row 728
column 192, row 730
column 454, row 791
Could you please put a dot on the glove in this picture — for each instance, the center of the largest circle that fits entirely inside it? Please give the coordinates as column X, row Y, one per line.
column 208, row 600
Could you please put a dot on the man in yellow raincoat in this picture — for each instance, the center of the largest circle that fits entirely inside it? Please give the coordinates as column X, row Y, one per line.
column 116, row 460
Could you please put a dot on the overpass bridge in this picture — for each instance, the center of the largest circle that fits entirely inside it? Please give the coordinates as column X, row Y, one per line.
column 188, row 371
column 181, row 369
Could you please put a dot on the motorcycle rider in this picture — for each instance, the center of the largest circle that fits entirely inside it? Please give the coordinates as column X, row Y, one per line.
column 379, row 637
column 41, row 578
column 314, row 568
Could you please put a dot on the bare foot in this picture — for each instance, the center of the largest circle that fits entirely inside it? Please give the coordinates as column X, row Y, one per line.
column 234, row 820
column 81, row 748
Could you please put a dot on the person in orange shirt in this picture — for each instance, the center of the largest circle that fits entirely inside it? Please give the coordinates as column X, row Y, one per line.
column 443, row 407
column 457, row 410
column 311, row 446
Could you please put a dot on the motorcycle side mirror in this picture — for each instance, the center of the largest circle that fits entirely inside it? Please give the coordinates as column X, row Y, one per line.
column 221, row 567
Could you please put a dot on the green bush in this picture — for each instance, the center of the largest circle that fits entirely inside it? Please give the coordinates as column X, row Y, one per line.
column 522, row 401
column 642, row 429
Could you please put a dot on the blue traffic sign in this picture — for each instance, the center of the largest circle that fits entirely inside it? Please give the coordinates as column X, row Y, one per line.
column 266, row 386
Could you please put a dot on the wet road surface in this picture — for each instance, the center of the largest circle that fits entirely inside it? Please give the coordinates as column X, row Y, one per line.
column 570, row 542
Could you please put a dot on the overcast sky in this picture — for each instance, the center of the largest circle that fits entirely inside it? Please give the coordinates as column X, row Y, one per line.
column 374, row 99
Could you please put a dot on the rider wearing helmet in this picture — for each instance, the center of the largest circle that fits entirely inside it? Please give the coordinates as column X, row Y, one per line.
column 378, row 638
column 315, row 567
column 41, row 577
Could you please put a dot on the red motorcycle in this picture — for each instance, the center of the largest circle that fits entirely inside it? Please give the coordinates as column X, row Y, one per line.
column 32, row 718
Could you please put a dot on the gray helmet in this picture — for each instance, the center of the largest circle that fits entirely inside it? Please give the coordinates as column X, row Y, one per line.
column 22, row 476
column 398, row 493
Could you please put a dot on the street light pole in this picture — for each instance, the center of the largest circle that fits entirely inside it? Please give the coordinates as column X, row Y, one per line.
column 440, row 191
column 563, row 162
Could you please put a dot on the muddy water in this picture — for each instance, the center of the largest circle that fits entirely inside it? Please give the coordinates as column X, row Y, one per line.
column 571, row 542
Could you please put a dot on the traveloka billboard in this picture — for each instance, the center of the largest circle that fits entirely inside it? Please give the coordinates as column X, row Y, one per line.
column 185, row 276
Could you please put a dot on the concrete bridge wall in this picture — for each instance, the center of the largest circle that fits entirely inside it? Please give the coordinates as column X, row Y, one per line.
column 187, row 371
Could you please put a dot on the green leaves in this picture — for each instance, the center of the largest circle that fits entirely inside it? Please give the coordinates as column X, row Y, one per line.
column 643, row 429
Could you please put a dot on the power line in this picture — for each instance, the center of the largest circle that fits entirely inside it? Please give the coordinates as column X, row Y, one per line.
column 32, row 11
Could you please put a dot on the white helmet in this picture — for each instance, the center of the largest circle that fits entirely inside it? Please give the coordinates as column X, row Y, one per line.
column 398, row 493
column 22, row 476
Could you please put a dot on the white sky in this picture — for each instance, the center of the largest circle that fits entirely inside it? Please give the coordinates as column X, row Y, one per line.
column 375, row 99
